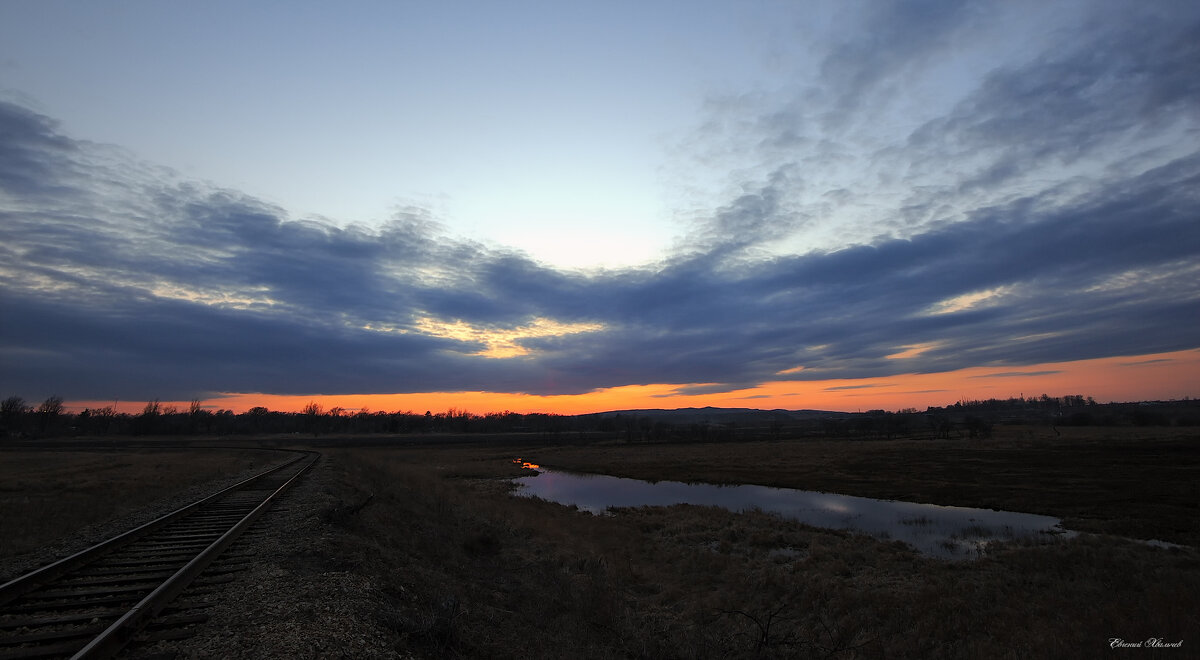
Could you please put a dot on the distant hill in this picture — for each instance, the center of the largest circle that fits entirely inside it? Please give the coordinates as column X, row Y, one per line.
column 713, row 415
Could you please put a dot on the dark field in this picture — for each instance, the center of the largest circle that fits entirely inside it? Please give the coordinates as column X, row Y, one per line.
column 463, row 569
column 477, row 573
column 46, row 494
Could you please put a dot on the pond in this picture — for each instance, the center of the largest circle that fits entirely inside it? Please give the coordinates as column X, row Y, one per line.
column 948, row 532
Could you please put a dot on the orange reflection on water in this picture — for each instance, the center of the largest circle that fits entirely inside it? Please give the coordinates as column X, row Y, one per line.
column 526, row 464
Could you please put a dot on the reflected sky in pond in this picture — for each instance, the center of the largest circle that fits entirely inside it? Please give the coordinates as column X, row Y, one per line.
column 939, row 531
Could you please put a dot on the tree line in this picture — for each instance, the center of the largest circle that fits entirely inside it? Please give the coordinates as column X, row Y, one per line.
column 964, row 419
column 50, row 418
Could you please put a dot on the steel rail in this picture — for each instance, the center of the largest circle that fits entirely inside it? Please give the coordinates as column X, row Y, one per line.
column 20, row 585
column 167, row 541
column 117, row 635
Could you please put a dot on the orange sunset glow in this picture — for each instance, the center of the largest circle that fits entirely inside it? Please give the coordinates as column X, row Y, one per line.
column 1160, row 376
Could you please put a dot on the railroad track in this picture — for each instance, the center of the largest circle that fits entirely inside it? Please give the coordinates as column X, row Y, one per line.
column 93, row 603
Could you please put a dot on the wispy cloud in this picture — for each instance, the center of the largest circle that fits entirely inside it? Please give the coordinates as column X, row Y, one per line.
column 1018, row 374
column 1139, row 363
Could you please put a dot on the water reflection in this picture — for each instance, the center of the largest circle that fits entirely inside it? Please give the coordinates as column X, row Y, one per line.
column 939, row 531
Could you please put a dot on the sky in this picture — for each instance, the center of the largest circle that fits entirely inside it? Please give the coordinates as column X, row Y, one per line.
column 572, row 207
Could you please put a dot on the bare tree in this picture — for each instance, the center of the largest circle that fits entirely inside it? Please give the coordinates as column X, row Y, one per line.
column 312, row 413
column 48, row 413
column 11, row 411
column 51, row 407
column 12, row 407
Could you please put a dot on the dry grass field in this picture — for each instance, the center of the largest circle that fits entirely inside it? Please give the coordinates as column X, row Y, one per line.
column 46, row 494
column 471, row 571
column 462, row 568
